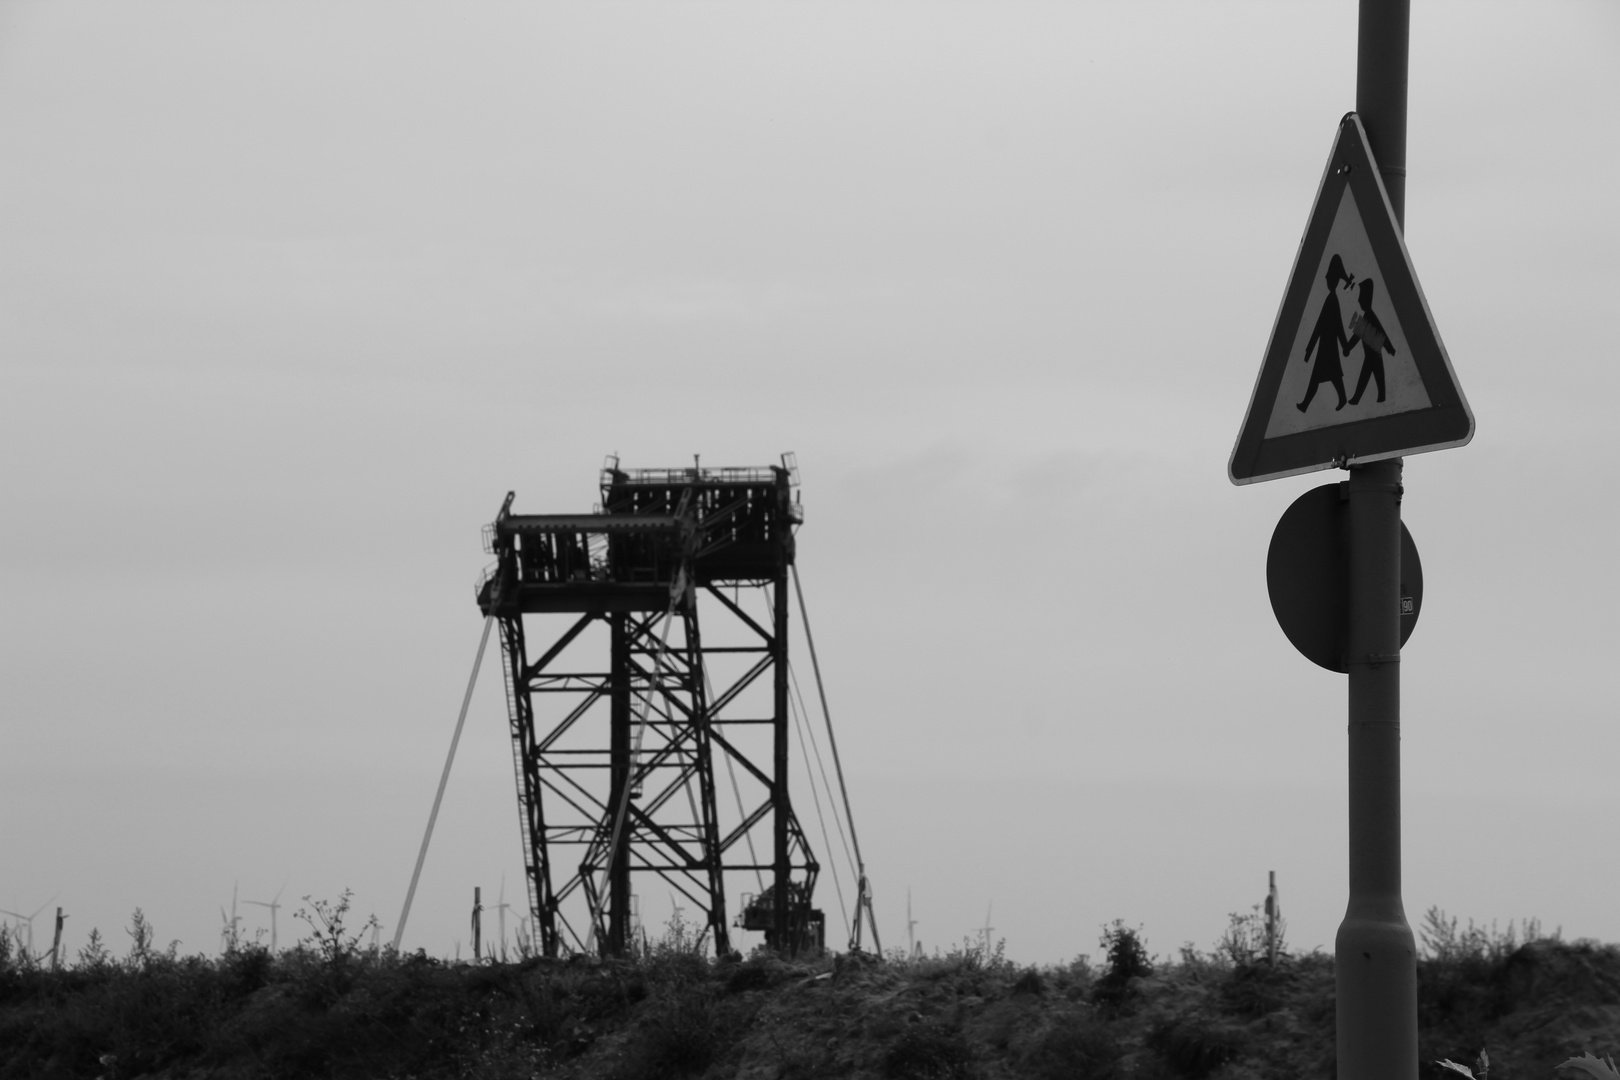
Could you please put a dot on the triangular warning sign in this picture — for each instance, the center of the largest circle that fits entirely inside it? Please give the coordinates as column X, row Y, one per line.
column 1355, row 370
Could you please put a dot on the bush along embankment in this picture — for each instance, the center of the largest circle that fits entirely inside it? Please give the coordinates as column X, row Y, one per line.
column 331, row 1008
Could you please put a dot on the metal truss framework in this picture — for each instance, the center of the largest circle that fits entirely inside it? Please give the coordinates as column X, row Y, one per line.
column 619, row 777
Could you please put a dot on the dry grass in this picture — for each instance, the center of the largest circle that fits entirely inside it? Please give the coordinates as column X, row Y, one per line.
column 669, row 1012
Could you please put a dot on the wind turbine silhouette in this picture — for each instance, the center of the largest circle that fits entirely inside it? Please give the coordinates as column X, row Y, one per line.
column 228, row 936
column 273, row 905
column 987, row 929
column 28, row 920
column 500, row 914
column 911, row 927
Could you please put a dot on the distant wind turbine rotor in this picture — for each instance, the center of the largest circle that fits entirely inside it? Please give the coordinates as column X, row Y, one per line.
column 274, row 906
column 501, row 907
column 228, row 936
column 911, row 929
column 28, row 920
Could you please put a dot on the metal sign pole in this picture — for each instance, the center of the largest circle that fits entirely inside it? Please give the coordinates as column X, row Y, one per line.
column 1375, row 958
column 1375, row 961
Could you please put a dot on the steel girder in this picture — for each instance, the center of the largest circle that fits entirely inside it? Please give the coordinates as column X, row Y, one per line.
column 656, row 692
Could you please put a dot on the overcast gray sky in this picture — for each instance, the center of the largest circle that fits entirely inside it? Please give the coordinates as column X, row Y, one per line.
column 292, row 294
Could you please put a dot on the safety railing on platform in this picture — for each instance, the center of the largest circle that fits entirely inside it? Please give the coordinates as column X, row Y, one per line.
column 485, row 576
column 671, row 477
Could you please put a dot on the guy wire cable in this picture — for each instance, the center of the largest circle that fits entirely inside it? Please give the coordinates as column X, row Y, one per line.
column 865, row 895
column 832, row 863
column 793, row 684
column 815, row 747
column 821, row 765
column 444, row 778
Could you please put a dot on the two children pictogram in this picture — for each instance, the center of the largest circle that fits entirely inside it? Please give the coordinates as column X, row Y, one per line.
column 1328, row 339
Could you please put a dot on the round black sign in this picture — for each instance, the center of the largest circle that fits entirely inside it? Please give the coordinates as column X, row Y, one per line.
column 1308, row 577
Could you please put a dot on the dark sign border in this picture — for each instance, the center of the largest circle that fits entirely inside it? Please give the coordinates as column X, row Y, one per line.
column 1447, row 422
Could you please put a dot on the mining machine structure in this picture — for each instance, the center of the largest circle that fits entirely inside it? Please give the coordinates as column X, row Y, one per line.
column 645, row 744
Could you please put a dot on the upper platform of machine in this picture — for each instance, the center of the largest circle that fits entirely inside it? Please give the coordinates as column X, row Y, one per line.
column 722, row 526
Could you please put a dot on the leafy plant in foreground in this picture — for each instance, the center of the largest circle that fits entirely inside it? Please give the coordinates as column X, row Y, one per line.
column 1444, row 942
column 335, row 945
column 1246, row 940
column 1594, row 1066
column 1126, row 958
column 1482, row 1064
column 1077, row 1050
column 142, row 956
column 928, row 1052
column 1195, row 1045
column 1589, row 1063
column 94, row 956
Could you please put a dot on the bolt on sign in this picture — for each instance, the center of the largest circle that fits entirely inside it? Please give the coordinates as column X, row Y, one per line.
column 1355, row 370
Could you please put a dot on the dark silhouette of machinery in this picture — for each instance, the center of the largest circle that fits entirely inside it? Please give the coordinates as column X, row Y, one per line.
column 623, row 709
column 759, row 913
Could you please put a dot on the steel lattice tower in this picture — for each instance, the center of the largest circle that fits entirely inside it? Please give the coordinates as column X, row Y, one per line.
column 620, row 720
